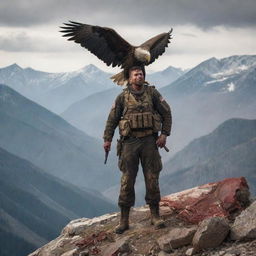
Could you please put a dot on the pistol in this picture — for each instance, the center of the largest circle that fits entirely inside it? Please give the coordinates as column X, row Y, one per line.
column 106, row 156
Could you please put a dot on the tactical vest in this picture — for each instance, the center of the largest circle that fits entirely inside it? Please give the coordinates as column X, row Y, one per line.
column 139, row 117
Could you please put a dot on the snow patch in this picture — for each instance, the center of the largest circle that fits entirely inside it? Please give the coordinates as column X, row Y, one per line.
column 230, row 72
column 231, row 87
column 216, row 80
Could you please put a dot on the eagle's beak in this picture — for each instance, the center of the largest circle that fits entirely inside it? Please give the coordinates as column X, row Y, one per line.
column 148, row 58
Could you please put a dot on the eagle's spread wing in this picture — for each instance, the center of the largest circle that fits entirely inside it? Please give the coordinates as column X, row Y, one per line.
column 103, row 42
column 157, row 45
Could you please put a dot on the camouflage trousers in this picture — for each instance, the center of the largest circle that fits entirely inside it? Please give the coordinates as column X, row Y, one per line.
column 134, row 151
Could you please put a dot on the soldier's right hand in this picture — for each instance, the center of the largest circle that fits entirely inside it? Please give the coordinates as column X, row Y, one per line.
column 107, row 146
column 161, row 141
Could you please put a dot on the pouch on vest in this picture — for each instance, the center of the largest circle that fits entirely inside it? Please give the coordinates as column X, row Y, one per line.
column 147, row 120
column 157, row 123
column 124, row 127
column 141, row 120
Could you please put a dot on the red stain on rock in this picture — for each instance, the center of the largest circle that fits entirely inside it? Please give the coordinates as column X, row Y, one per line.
column 93, row 240
column 209, row 200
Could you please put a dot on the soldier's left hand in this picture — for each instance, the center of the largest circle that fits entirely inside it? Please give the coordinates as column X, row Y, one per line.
column 107, row 146
column 161, row 141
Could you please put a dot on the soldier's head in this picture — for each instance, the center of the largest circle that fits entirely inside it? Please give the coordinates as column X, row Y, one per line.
column 136, row 75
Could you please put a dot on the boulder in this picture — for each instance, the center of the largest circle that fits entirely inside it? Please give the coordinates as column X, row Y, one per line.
column 210, row 233
column 119, row 247
column 76, row 227
column 190, row 251
column 176, row 238
column 213, row 199
column 244, row 227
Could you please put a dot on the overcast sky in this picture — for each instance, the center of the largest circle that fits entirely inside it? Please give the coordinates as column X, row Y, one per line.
column 29, row 30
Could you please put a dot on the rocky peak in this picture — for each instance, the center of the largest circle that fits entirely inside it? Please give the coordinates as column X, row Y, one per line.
column 14, row 67
column 90, row 69
column 223, row 200
column 172, row 70
column 242, row 61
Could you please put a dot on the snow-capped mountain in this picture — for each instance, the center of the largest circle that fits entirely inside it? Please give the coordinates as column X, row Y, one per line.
column 224, row 75
column 199, row 103
column 165, row 77
column 55, row 91
column 210, row 93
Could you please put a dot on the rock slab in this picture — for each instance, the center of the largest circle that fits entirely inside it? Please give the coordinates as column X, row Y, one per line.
column 176, row 238
column 213, row 199
column 210, row 233
column 244, row 227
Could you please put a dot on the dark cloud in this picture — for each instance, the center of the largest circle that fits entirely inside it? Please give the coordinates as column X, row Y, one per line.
column 16, row 42
column 22, row 42
column 188, row 35
column 202, row 13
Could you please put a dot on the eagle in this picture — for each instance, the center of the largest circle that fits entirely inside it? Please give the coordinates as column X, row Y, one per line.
column 114, row 50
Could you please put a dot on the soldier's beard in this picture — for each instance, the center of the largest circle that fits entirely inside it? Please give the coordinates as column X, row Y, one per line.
column 139, row 83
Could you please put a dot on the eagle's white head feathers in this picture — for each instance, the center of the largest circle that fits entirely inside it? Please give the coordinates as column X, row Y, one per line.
column 142, row 54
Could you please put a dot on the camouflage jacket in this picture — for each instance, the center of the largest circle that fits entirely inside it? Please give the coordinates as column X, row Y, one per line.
column 115, row 115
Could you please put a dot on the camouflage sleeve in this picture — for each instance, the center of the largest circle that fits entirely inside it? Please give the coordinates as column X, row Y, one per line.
column 164, row 110
column 113, row 118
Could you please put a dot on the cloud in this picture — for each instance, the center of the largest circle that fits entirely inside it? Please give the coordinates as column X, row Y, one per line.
column 202, row 29
column 205, row 14
column 24, row 40
column 46, row 50
column 16, row 42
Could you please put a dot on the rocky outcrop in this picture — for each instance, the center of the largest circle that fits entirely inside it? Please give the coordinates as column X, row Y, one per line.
column 176, row 238
column 210, row 233
column 244, row 227
column 86, row 237
column 213, row 199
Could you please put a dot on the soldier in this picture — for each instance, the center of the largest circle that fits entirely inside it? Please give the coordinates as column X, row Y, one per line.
column 141, row 112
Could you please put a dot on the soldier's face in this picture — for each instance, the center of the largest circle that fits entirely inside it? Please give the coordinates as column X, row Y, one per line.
column 136, row 77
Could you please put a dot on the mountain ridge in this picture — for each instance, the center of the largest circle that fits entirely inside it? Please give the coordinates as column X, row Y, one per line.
column 50, row 142
column 227, row 151
column 35, row 206
column 57, row 91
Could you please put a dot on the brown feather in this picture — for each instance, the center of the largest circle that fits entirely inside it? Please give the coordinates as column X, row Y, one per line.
column 103, row 42
column 156, row 45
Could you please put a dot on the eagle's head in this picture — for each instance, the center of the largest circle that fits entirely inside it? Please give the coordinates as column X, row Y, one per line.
column 142, row 55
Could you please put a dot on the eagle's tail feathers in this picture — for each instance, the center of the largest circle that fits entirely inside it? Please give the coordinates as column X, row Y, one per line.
column 119, row 79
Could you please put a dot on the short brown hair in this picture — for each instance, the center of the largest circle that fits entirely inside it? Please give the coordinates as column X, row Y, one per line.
column 137, row 68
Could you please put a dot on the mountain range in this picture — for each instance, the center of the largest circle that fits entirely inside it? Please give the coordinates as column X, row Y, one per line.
column 209, row 94
column 216, row 75
column 46, row 140
column 49, row 164
column 165, row 77
column 35, row 206
column 200, row 99
column 228, row 151
column 57, row 91
column 90, row 113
